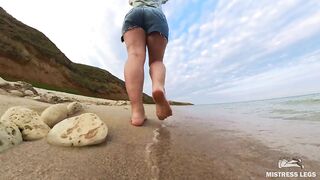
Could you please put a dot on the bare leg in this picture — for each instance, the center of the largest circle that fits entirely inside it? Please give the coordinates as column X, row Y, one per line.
column 156, row 48
column 135, row 40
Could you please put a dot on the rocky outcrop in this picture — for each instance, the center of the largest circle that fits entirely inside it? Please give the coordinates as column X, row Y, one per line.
column 23, row 86
column 10, row 135
column 18, row 88
column 52, row 98
column 28, row 121
column 121, row 103
column 83, row 130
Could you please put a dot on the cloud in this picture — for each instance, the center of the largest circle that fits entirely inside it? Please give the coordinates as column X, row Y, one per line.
column 239, row 40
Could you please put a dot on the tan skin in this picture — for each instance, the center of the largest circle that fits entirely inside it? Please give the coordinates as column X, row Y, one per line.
column 137, row 41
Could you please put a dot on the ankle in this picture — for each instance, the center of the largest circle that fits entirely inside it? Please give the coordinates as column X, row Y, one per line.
column 157, row 88
column 138, row 114
column 137, row 107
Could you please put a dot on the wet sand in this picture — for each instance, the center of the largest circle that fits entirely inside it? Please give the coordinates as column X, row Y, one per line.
column 182, row 147
column 211, row 149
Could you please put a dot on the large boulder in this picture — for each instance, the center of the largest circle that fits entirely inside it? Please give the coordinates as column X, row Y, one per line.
column 28, row 121
column 82, row 130
column 10, row 135
column 54, row 114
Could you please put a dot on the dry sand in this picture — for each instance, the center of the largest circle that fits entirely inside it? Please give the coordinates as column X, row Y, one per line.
column 180, row 148
column 122, row 156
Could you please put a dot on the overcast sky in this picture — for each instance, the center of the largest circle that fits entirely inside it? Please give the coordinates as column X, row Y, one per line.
column 218, row 51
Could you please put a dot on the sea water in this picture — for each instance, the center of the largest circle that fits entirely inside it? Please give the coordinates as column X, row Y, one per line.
column 193, row 142
column 299, row 108
column 290, row 124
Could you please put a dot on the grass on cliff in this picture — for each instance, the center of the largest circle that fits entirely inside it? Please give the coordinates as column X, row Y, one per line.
column 19, row 32
column 22, row 44
column 50, row 87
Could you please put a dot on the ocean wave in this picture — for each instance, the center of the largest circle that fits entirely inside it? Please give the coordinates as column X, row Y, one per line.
column 303, row 102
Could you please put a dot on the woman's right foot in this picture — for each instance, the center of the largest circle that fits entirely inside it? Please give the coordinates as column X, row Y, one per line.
column 163, row 109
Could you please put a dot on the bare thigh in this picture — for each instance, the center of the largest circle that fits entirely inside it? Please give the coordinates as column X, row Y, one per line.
column 135, row 40
column 156, row 44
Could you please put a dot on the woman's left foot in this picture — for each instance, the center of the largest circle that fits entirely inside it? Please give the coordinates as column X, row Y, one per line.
column 138, row 116
column 136, row 122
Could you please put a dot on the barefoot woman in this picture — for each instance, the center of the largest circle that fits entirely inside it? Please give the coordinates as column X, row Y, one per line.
column 145, row 26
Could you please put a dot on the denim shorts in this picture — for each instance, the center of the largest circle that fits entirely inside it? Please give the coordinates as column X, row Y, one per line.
column 148, row 18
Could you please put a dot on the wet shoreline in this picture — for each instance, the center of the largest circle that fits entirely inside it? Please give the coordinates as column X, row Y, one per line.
column 214, row 148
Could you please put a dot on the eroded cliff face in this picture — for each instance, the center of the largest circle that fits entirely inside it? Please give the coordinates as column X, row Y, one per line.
column 27, row 54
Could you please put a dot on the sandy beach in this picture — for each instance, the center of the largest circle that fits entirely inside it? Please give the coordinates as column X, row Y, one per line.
column 242, row 79
column 182, row 147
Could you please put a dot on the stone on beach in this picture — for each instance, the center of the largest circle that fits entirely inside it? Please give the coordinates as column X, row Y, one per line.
column 54, row 114
column 28, row 93
column 10, row 135
column 16, row 93
column 18, row 88
column 85, row 129
column 52, row 98
column 24, row 86
column 58, row 112
column 74, row 107
column 3, row 92
column 121, row 103
column 3, row 82
column 28, row 121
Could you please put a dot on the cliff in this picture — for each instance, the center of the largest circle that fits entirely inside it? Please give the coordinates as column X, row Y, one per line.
column 27, row 54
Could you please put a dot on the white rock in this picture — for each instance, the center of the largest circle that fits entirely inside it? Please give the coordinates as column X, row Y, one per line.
column 4, row 92
column 3, row 82
column 121, row 103
column 74, row 107
column 28, row 121
column 54, row 114
column 104, row 103
column 28, row 93
column 51, row 98
column 10, row 135
column 16, row 93
column 82, row 130
column 24, row 85
column 37, row 98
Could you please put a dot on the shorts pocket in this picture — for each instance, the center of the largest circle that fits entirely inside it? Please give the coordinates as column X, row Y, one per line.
column 131, row 10
column 160, row 15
